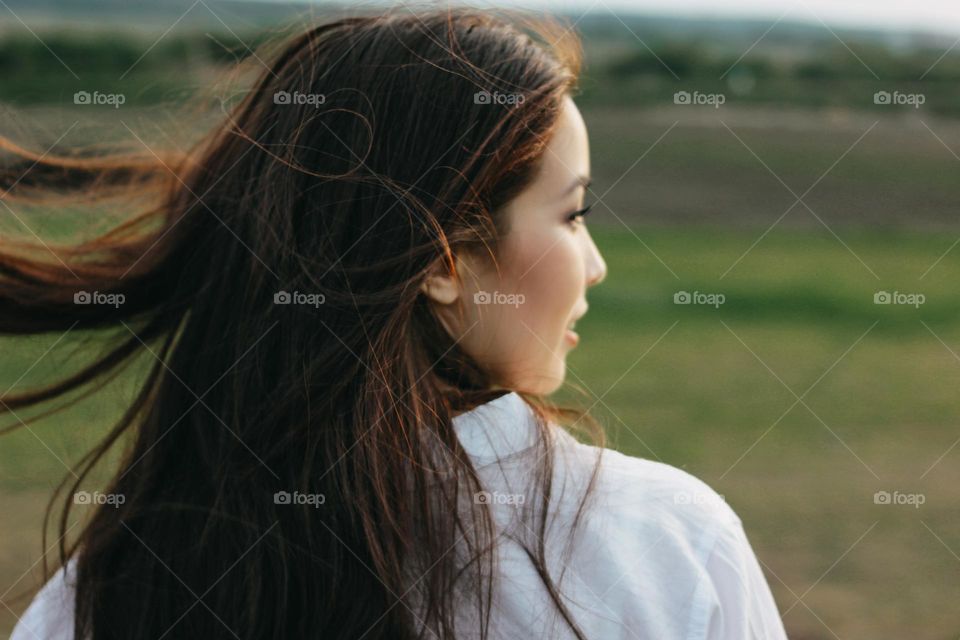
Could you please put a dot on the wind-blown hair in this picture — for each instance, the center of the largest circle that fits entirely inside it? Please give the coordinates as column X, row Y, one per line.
column 274, row 271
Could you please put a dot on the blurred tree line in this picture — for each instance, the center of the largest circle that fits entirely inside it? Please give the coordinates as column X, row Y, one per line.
column 830, row 75
column 793, row 74
column 51, row 68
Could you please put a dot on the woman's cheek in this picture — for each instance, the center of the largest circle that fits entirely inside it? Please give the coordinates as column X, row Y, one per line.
column 551, row 284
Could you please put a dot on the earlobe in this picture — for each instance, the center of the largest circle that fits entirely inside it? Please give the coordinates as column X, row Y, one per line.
column 442, row 289
column 445, row 286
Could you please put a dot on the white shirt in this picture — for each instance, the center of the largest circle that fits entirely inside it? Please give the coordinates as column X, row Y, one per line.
column 657, row 554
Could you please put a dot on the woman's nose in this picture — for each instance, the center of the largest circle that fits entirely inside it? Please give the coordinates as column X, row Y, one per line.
column 596, row 265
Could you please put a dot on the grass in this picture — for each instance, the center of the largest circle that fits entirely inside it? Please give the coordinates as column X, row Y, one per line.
column 710, row 390
column 714, row 390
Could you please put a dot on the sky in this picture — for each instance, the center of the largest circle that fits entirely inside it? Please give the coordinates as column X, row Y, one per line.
column 930, row 15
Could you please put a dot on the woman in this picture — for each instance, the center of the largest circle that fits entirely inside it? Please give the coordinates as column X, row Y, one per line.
column 355, row 295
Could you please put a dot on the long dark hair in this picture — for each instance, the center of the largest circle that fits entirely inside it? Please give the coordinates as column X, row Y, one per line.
column 274, row 273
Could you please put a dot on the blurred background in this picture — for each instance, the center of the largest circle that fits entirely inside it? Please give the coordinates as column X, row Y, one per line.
column 777, row 190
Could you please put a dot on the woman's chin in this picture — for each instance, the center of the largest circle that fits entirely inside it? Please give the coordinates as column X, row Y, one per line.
column 550, row 381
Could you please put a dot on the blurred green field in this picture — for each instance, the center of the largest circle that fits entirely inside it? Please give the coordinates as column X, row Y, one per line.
column 711, row 390
column 695, row 199
column 698, row 387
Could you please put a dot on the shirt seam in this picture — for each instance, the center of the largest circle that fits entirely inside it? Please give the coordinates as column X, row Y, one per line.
column 700, row 607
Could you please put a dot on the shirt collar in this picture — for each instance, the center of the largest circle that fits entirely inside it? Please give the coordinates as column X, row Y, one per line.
column 498, row 428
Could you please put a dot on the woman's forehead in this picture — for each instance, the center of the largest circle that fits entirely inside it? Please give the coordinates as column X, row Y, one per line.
column 567, row 154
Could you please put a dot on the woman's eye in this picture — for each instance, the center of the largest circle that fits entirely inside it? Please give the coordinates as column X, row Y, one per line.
column 577, row 216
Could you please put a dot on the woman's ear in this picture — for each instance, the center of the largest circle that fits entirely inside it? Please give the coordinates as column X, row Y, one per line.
column 442, row 288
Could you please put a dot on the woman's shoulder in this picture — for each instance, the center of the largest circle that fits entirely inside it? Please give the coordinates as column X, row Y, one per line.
column 658, row 535
column 633, row 488
column 50, row 614
column 625, row 492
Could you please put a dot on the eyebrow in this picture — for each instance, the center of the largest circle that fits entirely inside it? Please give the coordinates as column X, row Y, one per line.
column 580, row 181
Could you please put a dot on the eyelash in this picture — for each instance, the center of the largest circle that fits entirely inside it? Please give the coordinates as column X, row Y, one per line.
column 580, row 213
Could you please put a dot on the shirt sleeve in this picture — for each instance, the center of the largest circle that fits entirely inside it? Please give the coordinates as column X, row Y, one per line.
column 743, row 607
column 50, row 614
